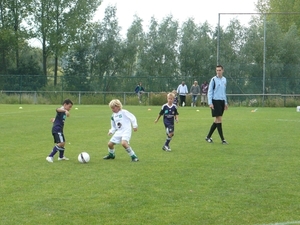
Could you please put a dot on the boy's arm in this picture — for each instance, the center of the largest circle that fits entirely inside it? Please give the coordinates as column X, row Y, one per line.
column 132, row 118
column 62, row 109
column 155, row 121
column 113, row 127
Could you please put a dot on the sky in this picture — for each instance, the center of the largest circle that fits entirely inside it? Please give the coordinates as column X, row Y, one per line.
column 181, row 10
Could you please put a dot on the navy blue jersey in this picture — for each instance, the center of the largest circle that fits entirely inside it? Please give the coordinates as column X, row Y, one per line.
column 169, row 113
column 175, row 102
column 58, row 124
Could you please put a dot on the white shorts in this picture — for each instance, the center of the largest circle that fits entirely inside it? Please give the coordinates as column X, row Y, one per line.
column 117, row 138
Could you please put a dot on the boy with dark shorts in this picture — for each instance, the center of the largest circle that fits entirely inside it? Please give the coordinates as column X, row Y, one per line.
column 58, row 130
column 170, row 114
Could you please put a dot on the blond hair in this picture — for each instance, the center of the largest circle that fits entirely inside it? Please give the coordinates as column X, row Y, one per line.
column 171, row 95
column 115, row 103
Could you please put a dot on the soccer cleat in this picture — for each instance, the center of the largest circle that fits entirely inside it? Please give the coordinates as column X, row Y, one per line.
column 49, row 159
column 209, row 140
column 63, row 158
column 166, row 148
column 109, row 156
column 134, row 158
column 224, row 142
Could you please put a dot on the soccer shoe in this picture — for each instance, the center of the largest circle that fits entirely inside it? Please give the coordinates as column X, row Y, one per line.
column 166, row 148
column 49, row 159
column 109, row 156
column 209, row 140
column 63, row 158
column 224, row 142
column 134, row 158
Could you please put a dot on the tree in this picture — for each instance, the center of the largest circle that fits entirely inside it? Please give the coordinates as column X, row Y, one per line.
column 12, row 14
column 56, row 24
column 133, row 47
column 197, row 50
column 107, row 59
column 286, row 13
column 160, row 54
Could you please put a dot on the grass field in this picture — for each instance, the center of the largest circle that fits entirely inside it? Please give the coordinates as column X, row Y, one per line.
column 254, row 180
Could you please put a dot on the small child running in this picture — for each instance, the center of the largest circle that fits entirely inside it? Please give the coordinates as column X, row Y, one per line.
column 169, row 110
column 122, row 123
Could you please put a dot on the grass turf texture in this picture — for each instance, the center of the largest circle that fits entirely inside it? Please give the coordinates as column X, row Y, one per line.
column 253, row 180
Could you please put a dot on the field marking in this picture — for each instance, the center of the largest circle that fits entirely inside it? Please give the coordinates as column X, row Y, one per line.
column 282, row 223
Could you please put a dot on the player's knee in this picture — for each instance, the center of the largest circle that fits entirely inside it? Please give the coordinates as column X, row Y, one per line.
column 61, row 144
column 110, row 145
column 124, row 144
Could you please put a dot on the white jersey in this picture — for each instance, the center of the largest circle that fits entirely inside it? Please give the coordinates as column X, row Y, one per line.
column 122, row 122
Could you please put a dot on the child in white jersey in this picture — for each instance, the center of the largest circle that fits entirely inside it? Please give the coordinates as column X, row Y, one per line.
column 122, row 123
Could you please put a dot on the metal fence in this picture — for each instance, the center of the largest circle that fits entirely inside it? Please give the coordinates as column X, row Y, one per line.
column 147, row 99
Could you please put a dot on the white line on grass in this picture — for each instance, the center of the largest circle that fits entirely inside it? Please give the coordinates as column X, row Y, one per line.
column 282, row 223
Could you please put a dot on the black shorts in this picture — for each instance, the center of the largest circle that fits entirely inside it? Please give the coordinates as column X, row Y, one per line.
column 219, row 107
column 58, row 137
column 170, row 129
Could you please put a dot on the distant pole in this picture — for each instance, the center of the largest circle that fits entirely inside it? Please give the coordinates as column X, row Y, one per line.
column 218, row 40
column 264, row 61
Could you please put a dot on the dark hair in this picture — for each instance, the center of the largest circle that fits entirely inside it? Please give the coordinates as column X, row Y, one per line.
column 67, row 101
column 220, row 66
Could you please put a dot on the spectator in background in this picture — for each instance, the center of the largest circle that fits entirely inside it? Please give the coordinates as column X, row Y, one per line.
column 182, row 90
column 204, row 89
column 139, row 90
column 195, row 91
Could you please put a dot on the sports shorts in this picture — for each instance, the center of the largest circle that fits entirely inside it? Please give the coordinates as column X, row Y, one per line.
column 219, row 107
column 58, row 138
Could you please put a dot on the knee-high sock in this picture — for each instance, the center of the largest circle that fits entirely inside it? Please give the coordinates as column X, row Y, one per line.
column 111, row 151
column 220, row 130
column 54, row 151
column 212, row 129
column 168, row 141
column 61, row 151
column 130, row 151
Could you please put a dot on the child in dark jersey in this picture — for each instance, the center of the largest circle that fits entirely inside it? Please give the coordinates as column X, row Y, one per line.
column 170, row 113
column 57, row 130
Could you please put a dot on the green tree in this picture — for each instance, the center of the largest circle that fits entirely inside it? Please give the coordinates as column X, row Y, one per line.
column 56, row 24
column 159, row 57
column 12, row 15
column 107, row 57
column 286, row 13
column 197, row 50
column 132, row 47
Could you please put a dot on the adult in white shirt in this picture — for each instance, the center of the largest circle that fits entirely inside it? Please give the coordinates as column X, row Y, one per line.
column 182, row 91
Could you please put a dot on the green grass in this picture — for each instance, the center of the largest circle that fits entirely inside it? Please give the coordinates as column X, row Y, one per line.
column 253, row 180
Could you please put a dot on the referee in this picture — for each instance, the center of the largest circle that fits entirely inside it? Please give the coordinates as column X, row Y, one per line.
column 217, row 101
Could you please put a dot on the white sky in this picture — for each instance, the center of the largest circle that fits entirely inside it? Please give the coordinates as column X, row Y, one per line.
column 181, row 10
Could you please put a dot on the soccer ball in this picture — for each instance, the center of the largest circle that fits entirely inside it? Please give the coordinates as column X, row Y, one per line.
column 83, row 157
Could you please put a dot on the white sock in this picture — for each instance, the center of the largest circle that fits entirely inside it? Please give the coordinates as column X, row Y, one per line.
column 130, row 151
column 111, row 151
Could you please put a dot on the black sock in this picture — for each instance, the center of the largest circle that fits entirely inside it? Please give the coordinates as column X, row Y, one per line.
column 220, row 130
column 212, row 129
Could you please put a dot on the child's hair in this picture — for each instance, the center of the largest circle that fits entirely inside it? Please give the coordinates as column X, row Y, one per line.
column 67, row 101
column 115, row 103
column 171, row 95
column 174, row 92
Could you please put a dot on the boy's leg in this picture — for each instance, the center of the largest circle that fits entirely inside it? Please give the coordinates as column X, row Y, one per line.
column 111, row 151
column 128, row 149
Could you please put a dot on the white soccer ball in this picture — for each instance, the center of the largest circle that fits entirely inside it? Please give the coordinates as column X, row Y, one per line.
column 83, row 157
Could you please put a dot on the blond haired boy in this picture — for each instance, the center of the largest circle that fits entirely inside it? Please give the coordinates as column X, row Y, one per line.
column 122, row 123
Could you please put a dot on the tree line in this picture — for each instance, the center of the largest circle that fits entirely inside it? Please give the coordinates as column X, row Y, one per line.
column 93, row 56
